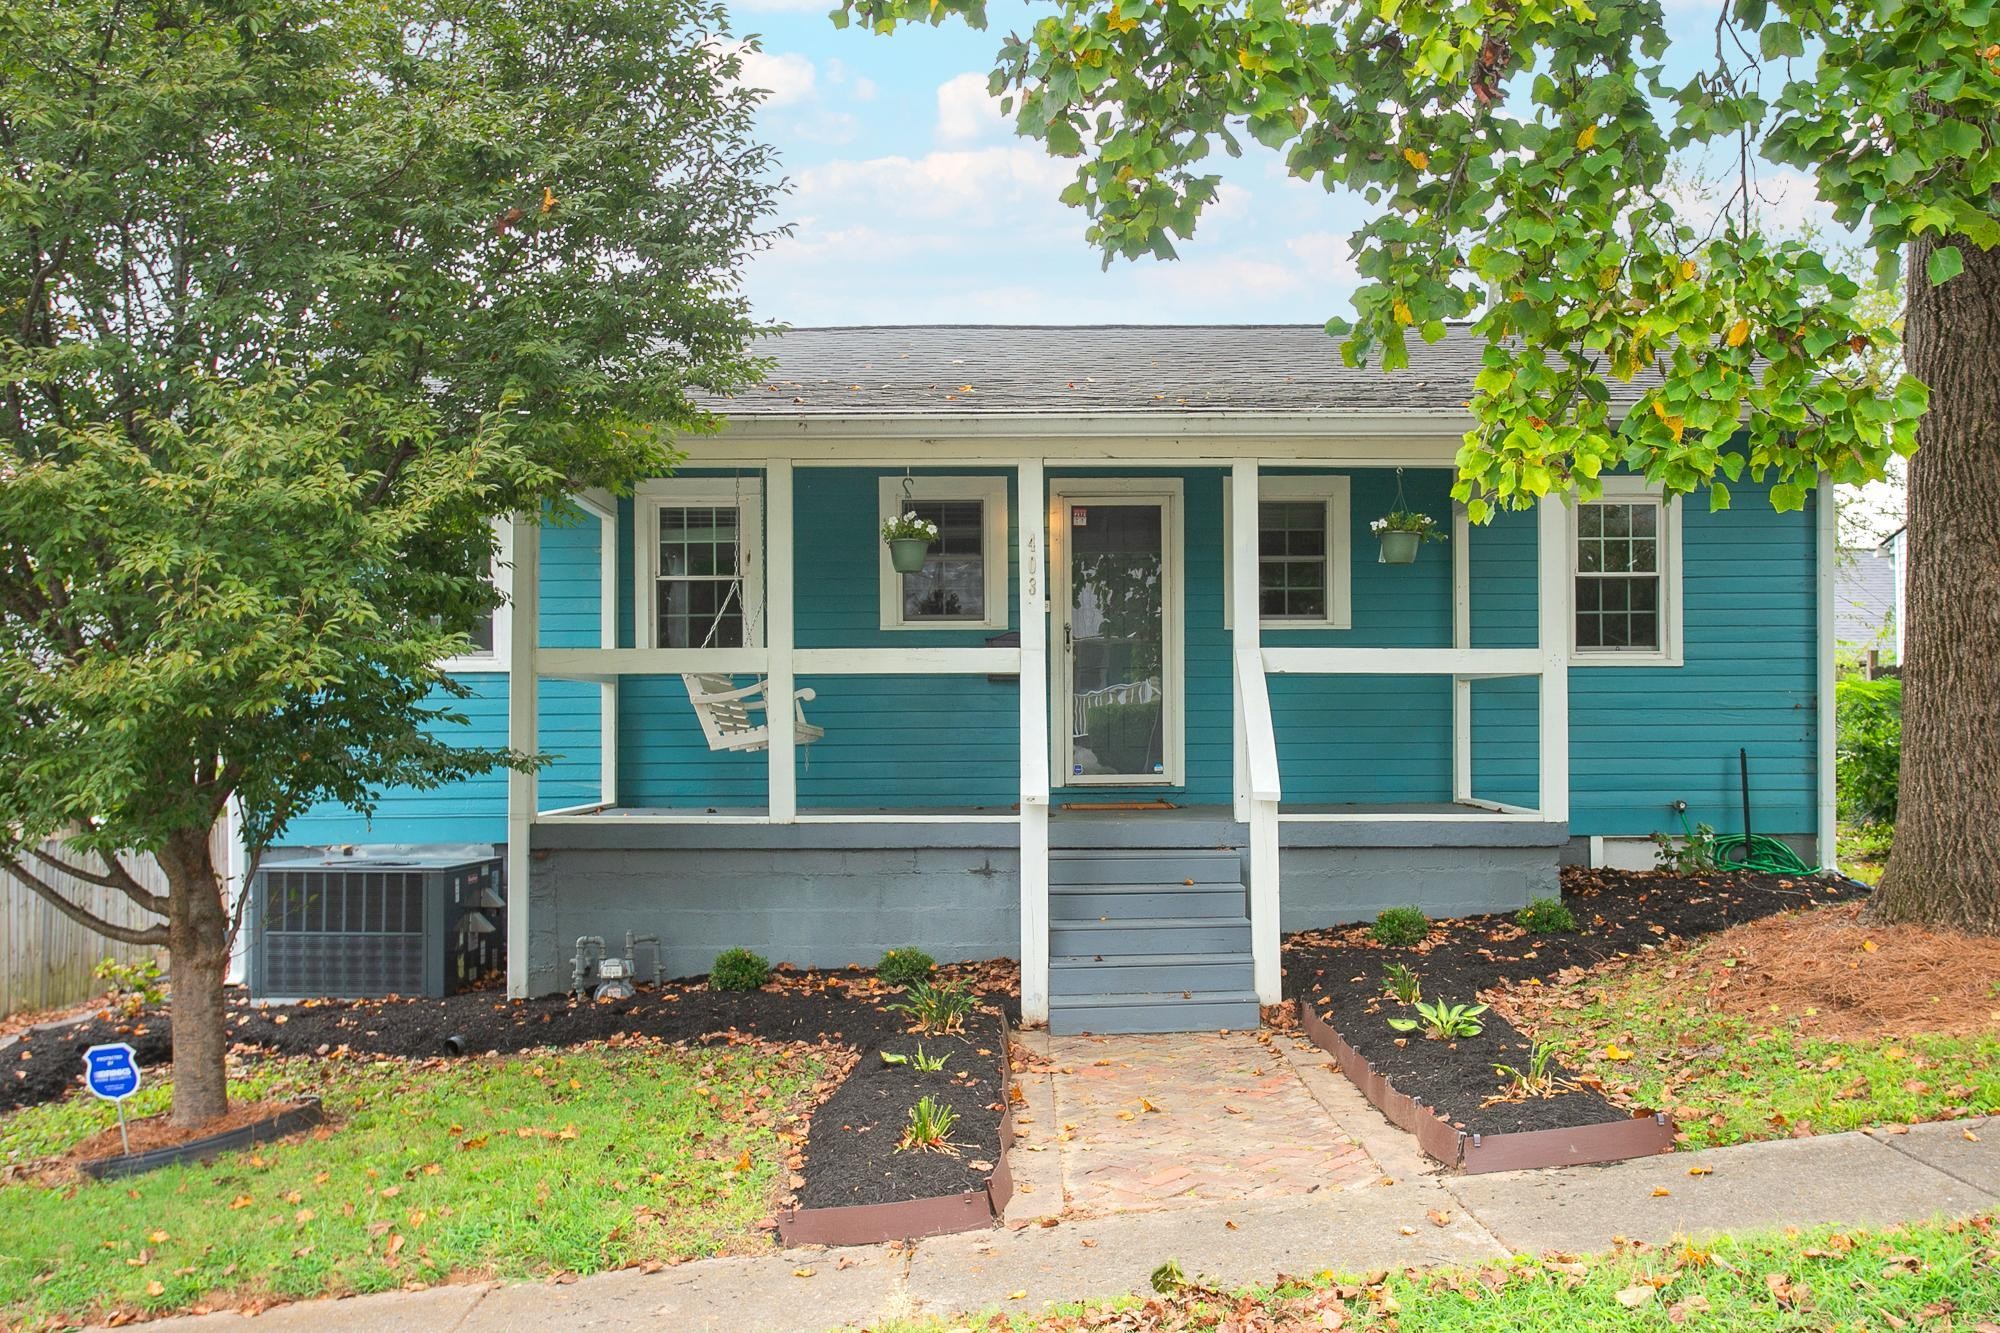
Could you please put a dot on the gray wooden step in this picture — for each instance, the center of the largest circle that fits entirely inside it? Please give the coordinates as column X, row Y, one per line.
column 1125, row 866
column 1118, row 902
column 1157, row 934
column 1142, row 973
column 1170, row 1011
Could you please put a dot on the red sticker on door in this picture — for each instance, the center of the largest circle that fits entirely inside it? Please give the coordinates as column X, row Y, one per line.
column 1079, row 517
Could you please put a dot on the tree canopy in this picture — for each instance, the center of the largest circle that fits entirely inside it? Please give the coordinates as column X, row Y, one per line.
column 297, row 298
column 1519, row 154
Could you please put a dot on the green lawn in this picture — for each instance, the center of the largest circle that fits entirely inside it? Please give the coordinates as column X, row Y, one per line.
column 560, row 1161
column 1727, row 1078
column 1936, row 1277
column 1863, row 849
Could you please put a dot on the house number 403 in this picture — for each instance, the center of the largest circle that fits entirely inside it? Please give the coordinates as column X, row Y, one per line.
column 1032, row 566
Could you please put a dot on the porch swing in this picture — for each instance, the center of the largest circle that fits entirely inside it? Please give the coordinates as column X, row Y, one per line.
column 724, row 708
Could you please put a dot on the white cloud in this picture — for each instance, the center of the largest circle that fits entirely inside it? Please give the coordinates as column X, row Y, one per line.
column 966, row 187
column 787, row 77
column 783, row 6
column 966, row 114
column 864, row 89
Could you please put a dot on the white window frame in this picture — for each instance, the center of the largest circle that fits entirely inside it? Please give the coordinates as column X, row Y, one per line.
column 1634, row 490
column 991, row 495
column 501, row 573
column 747, row 495
column 1334, row 493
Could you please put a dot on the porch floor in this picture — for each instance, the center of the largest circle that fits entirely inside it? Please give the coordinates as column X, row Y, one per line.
column 1059, row 812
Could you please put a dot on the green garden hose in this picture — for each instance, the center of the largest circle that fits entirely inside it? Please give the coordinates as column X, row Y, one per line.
column 1766, row 856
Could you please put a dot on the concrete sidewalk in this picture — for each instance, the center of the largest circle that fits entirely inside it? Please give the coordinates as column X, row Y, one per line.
column 1400, row 1215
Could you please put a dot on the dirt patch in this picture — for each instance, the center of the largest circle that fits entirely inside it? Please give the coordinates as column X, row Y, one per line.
column 851, row 1137
column 1469, row 960
column 1837, row 977
column 157, row 1131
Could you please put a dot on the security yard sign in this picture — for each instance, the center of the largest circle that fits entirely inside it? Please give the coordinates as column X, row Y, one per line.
column 111, row 1071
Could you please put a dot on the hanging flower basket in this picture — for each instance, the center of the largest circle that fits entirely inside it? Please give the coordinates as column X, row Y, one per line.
column 909, row 538
column 1401, row 533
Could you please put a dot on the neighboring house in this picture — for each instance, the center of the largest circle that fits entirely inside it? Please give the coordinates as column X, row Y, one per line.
column 1063, row 740
column 1865, row 600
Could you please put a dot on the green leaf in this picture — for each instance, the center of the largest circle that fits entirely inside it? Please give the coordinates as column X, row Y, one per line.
column 1780, row 39
column 1944, row 264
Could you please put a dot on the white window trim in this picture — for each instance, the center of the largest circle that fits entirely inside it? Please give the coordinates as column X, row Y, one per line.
column 1333, row 491
column 747, row 493
column 991, row 493
column 500, row 658
column 1626, row 490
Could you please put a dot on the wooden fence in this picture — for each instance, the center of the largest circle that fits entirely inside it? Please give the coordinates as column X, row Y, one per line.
column 46, row 958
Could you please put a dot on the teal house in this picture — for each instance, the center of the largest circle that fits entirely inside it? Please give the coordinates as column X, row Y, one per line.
column 1155, row 694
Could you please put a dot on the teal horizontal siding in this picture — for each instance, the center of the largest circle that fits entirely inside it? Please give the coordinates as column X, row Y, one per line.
column 572, row 571
column 1362, row 739
column 475, row 809
column 1507, row 740
column 1643, row 737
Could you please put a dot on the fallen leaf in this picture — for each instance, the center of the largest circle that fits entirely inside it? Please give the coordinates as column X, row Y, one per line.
column 1634, row 1296
column 1701, row 1170
column 1661, row 1191
column 1439, row 1217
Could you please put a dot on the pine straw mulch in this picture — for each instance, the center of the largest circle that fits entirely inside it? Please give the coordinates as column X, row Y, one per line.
column 1837, row 976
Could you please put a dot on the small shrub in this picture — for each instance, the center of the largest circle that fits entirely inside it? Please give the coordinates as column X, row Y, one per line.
column 930, row 1127
column 1401, row 926
column 901, row 967
column 1444, row 1021
column 1868, row 748
column 1692, row 855
column 936, row 1008
column 739, row 969
column 1399, row 981
column 1545, row 916
column 130, row 986
column 929, row 1064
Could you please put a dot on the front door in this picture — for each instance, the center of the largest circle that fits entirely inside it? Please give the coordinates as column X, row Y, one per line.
column 1117, row 627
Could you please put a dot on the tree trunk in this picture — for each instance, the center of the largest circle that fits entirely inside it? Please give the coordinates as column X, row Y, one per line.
column 198, row 949
column 1944, row 868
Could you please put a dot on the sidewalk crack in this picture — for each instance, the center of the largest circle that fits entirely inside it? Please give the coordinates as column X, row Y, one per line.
column 1895, row 1146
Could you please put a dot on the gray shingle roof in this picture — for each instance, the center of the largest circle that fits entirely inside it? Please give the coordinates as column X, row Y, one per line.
column 977, row 370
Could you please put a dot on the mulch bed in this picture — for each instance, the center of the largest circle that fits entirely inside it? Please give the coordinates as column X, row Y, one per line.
column 849, row 1155
column 1339, row 973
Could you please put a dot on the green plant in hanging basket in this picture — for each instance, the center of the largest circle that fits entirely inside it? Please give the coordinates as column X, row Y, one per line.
column 1401, row 532
column 909, row 537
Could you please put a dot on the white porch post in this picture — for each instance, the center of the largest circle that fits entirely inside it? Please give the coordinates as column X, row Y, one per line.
column 1033, row 504
column 523, row 633
column 1461, row 639
column 1826, row 532
column 1552, row 597
column 778, row 679
column 1255, row 743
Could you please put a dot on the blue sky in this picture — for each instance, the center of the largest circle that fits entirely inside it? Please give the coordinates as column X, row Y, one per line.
column 913, row 202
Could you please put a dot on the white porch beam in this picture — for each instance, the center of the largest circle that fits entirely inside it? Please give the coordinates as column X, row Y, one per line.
column 1468, row 662
column 1246, row 623
column 524, row 634
column 1552, row 599
column 1256, row 781
column 908, row 661
column 779, row 675
column 1033, row 665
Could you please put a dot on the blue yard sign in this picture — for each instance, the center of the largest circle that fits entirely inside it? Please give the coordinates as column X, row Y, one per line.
column 112, row 1072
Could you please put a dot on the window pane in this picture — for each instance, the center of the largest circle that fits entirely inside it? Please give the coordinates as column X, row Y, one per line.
column 952, row 583
column 1292, row 551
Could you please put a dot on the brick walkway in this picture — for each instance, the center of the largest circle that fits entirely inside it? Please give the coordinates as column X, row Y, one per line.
column 1146, row 1122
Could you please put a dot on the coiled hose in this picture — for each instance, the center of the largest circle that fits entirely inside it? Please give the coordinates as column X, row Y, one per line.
column 1765, row 855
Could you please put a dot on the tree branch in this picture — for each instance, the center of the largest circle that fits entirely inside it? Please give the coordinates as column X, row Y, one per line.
column 140, row 935
column 117, row 877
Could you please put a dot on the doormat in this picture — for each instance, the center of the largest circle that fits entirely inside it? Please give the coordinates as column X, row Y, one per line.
column 1119, row 805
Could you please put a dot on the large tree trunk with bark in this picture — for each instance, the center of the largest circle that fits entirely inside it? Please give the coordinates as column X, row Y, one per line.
column 198, row 945
column 1945, row 866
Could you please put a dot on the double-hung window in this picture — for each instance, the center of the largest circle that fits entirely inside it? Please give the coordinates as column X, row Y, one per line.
column 1626, row 561
column 488, row 649
column 963, row 583
column 1303, row 546
column 698, row 582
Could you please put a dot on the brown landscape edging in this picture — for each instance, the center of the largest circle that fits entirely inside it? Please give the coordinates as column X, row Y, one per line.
column 913, row 1219
column 305, row 1115
column 1475, row 1154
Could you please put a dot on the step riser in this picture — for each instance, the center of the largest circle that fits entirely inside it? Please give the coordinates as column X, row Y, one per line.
column 1110, row 941
column 1225, row 902
column 1187, row 1016
column 1165, row 868
column 1140, row 978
